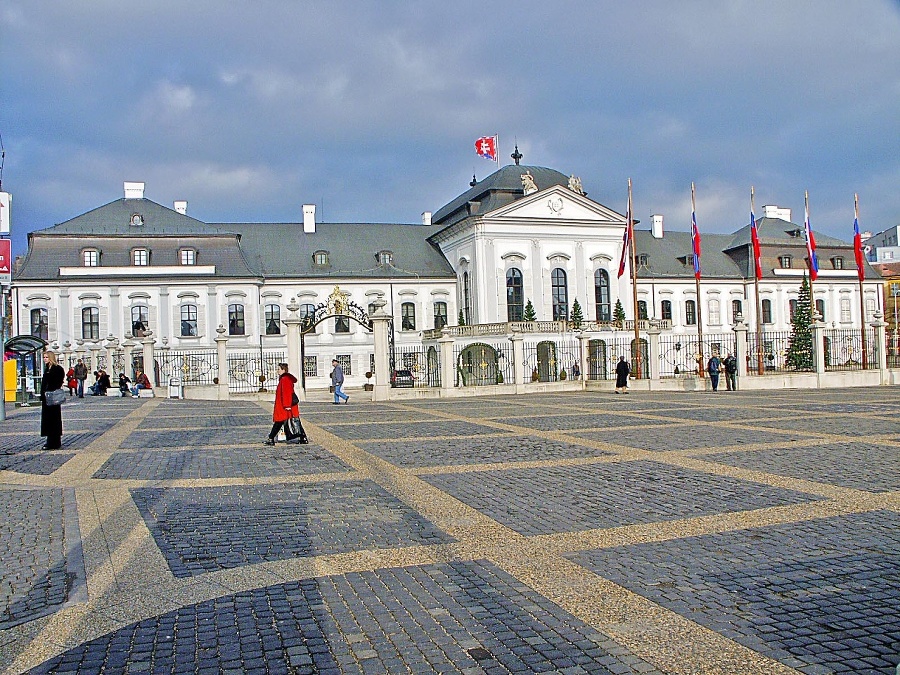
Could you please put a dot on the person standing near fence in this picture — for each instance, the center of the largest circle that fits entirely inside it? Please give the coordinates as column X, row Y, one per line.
column 713, row 367
column 730, row 365
column 337, row 381
column 285, row 406
column 51, row 415
column 622, row 372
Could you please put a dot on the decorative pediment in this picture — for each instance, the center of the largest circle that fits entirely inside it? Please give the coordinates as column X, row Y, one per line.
column 556, row 203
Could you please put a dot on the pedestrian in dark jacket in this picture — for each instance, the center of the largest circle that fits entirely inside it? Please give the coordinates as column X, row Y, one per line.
column 713, row 368
column 337, row 381
column 81, row 373
column 622, row 372
column 285, row 407
column 51, row 415
column 730, row 364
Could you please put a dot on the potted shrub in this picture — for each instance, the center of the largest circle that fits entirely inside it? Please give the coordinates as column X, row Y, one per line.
column 368, row 386
column 534, row 375
column 562, row 373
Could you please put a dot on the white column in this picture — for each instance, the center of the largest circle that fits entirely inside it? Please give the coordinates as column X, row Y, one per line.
column 880, row 345
column 653, row 352
column 293, row 323
column 222, row 360
column 518, row 343
column 740, row 348
column 448, row 369
column 149, row 370
column 380, row 323
column 584, row 340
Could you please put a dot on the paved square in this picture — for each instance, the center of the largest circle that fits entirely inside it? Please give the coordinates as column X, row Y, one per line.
column 204, row 529
column 478, row 535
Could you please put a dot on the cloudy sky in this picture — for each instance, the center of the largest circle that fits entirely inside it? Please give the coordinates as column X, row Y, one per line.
column 249, row 109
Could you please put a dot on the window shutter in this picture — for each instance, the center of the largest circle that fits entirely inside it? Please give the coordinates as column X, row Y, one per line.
column 52, row 328
column 224, row 318
column 104, row 322
column 153, row 315
column 126, row 321
column 201, row 320
column 176, row 321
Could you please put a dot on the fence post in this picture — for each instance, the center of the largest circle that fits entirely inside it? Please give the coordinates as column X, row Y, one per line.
column 818, row 330
column 111, row 343
column 95, row 353
column 880, row 345
column 448, row 371
column 293, row 322
column 653, row 352
column 518, row 342
column 740, row 346
column 380, row 322
column 222, row 362
column 583, row 340
column 127, row 347
column 147, row 341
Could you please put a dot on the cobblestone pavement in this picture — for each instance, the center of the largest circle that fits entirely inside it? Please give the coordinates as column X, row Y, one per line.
column 746, row 533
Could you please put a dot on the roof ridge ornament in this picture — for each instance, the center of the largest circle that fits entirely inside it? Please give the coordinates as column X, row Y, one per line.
column 516, row 155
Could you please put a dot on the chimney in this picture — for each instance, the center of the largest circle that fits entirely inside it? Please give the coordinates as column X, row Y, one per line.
column 426, row 217
column 134, row 190
column 656, row 226
column 772, row 211
column 181, row 207
column 309, row 218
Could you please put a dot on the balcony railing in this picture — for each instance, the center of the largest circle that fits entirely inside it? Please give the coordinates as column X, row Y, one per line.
column 507, row 327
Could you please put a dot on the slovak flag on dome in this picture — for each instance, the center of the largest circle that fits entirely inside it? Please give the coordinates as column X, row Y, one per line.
column 486, row 146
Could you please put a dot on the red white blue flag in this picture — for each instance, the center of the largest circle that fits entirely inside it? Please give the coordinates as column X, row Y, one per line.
column 754, row 237
column 486, row 146
column 857, row 241
column 695, row 235
column 810, row 243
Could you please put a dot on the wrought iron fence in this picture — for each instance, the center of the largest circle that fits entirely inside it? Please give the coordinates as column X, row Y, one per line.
column 773, row 353
column 682, row 355
column 193, row 367
column 254, row 370
column 892, row 340
column 483, row 364
column 551, row 360
column 422, row 362
column 603, row 355
column 844, row 349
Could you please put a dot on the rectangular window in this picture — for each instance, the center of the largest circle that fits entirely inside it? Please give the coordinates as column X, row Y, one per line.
column 310, row 366
column 665, row 309
column 845, row 310
column 690, row 313
column 189, row 321
column 820, row 308
column 236, row 320
column 767, row 311
column 90, row 323
column 344, row 362
column 440, row 315
column 140, row 257
column 715, row 317
column 838, row 263
column 736, row 310
column 341, row 324
column 91, row 258
column 792, row 309
column 407, row 316
column 39, row 324
column 642, row 309
column 188, row 256
column 273, row 320
column 140, row 320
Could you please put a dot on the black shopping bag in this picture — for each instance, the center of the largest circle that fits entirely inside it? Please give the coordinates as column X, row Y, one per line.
column 294, row 432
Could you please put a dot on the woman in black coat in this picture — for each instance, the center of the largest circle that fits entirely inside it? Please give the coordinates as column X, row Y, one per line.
column 51, row 415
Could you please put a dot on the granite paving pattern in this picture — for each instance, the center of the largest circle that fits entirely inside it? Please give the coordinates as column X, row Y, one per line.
column 746, row 533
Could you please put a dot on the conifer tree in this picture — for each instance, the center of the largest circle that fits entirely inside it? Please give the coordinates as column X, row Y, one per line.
column 619, row 315
column 529, row 314
column 461, row 319
column 800, row 349
column 577, row 316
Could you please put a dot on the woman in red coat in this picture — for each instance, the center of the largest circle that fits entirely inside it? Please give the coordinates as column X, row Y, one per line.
column 285, row 408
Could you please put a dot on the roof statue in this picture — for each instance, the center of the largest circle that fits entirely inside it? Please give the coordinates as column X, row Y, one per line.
column 575, row 185
column 528, row 184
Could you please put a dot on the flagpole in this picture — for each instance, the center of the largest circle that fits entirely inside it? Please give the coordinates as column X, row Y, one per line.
column 497, row 148
column 759, row 345
column 862, row 300
column 809, row 260
column 638, row 369
column 697, row 286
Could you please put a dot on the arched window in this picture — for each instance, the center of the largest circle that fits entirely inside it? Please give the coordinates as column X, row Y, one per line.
column 690, row 313
column 665, row 310
column 408, row 316
column 560, row 293
column 140, row 320
column 440, row 315
column 601, row 295
column 767, row 311
column 273, row 319
column 236, row 319
column 307, row 313
column 467, row 299
column 40, row 323
column 90, row 323
column 737, row 309
column 515, row 295
column 189, row 321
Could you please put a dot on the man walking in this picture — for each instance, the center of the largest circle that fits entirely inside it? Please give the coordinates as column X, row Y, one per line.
column 81, row 374
column 337, row 381
column 622, row 371
column 730, row 364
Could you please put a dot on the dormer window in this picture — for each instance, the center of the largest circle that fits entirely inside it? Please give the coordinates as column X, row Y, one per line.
column 643, row 260
column 140, row 257
column 837, row 262
column 689, row 259
column 385, row 258
column 187, row 256
column 320, row 258
column 90, row 257
column 796, row 234
column 785, row 261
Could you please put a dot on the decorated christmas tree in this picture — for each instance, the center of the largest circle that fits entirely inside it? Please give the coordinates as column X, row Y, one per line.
column 799, row 354
column 577, row 316
column 529, row 314
column 619, row 315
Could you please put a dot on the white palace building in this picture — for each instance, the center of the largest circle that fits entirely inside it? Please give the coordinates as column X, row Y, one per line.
column 133, row 269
